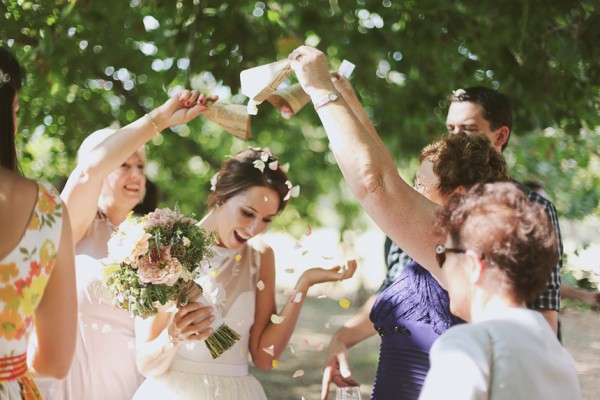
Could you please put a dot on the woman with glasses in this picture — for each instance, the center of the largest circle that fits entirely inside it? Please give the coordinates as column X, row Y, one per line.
column 499, row 248
column 414, row 310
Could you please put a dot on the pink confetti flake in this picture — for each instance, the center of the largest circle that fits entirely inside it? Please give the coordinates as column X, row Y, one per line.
column 306, row 342
column 320, row 346
column 297, row 298
column 308, row 231
column 298, row 373
column 270, row 350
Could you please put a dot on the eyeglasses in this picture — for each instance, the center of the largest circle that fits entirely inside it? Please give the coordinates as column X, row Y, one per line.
column 440, row 253
column 422, row 187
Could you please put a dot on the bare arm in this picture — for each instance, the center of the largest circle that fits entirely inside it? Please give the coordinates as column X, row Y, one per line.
column 56, row 315
column 403, row 214
column 83, row 187
column 264, row 333
column 354, row 331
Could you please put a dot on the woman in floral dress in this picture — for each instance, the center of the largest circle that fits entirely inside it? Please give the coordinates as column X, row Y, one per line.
column 37, row 277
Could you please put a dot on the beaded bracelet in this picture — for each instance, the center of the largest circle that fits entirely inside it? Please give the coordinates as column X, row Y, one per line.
column 154, row 124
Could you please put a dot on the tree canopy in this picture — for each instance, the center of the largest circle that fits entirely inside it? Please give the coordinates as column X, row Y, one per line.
column 91, row 64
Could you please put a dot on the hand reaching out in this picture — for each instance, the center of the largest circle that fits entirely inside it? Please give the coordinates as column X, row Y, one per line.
column 336, row 368
column 313, row 276
column 191, row 322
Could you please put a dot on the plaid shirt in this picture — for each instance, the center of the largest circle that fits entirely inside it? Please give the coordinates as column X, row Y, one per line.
column 397, row 260
column 550, row 298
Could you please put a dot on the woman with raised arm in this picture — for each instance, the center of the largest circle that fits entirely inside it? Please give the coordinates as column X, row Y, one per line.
column 106, row 184
column 250, row 189
column 411, row 313
column 36, row 260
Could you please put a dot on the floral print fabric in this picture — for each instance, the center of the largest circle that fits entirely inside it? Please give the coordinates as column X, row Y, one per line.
column 24, row 273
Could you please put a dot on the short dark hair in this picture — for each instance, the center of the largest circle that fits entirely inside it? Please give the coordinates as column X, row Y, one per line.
column 240, row 173
column 10, row 84
column 496, row 106
column 464, row 160
column 514, row 235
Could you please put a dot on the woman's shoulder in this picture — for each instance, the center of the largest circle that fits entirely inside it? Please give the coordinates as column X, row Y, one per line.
column 258, row 245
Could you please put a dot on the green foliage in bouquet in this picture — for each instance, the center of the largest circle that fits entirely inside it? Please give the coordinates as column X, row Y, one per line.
column 154, row 257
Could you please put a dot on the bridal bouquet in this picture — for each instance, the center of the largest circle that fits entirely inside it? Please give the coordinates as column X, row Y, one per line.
column 156, row 259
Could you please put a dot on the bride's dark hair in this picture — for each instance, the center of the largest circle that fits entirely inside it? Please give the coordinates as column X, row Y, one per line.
column 10, row 84
column 249, row 168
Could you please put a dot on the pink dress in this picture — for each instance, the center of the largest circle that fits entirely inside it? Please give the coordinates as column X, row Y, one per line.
column 24, row 273
column 230, row 284
column 104, row 366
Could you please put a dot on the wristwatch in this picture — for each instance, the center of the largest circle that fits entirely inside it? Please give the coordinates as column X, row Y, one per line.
column 330, row 98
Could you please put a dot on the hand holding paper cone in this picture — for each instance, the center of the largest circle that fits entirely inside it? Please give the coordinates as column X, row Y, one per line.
column 233, row 118
column 259, row 82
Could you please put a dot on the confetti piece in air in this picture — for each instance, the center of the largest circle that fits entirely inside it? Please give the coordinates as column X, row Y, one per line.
column 297, row 246
column 322, row 296
column 260, row 285
column 306, row 342
column 327, row 325
column 327, row 257
column 238, row 257
column 308, row 231
column 320, row 346
column 304, row 252
column 298, row 374
column 289, row 270
column 344, row 303
column 269, row 350
column 276, row 319
column 297, row 298
column 292, row 350
column 275, row 363
column 106, row 328
column 213, row 273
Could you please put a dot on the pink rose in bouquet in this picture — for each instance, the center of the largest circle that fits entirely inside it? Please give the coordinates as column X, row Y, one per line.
column 156, row 260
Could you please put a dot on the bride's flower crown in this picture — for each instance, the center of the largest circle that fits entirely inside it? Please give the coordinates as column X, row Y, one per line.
column 266, row 160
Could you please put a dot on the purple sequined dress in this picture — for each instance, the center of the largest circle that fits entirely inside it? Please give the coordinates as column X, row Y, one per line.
column 409, row 315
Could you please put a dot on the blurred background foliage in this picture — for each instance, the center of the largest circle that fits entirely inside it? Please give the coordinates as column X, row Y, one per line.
column 91, row 64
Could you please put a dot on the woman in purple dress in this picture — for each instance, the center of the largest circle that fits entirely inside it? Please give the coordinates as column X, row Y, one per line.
column 414, row 310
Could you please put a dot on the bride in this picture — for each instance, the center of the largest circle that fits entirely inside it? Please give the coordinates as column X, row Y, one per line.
column 249, row 191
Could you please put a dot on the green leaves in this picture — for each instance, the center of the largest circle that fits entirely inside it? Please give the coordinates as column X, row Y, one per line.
column 409, row 56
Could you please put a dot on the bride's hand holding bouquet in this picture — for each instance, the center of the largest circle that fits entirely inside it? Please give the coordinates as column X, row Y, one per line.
column 156, row 260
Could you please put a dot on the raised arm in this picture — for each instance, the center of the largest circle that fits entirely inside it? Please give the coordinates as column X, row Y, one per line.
column 265, row 334
column 56, row 315
column 401, row 212
column 85, row 182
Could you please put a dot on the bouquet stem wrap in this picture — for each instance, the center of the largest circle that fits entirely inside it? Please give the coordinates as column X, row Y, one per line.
column 223, row 337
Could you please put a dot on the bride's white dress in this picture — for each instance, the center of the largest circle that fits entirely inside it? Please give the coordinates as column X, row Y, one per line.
column 230, row 284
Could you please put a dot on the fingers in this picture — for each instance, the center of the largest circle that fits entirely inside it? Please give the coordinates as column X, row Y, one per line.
column 343, row 365
column 347, row 271
column 327, row 375
column 192, row 322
